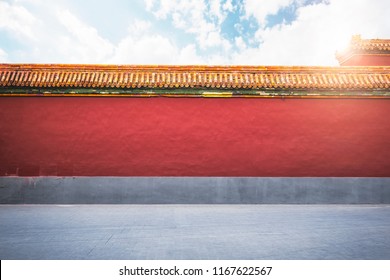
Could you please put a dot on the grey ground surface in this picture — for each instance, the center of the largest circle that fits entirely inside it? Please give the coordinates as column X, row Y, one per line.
column 194, row 190
column 194, row 232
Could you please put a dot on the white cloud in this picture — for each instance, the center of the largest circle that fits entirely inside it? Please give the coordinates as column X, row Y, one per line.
column 260, row 9
column 240, row 44
column 238, row 27
column 312, row 38
column 228, row 6
column 153, row 49
column 3, row 56
column 71, row 40
column 216, row 10
column 188, row 55
column 82, row 43
column 144, row 50
column 139, row 27
column 149, row 4
column 165, row 7
column 195, row 17
column 142, row 46
column 317, row 33
column 52, row 34
column 17, row 20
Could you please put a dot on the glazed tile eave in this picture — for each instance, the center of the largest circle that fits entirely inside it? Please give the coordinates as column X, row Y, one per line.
column 192, row 77
column 358, row 43
column 364, row 47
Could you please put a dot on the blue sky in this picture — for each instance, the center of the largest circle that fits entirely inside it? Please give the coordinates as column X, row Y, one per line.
column 260, row 32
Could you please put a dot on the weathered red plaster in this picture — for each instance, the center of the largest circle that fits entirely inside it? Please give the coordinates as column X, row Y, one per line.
column 76, row 136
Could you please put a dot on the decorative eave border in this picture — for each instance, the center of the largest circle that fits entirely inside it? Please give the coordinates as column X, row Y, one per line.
column 193, row 81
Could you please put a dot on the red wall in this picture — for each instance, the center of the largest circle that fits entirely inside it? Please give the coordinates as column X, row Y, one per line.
column 87, row 136
column 368, row 60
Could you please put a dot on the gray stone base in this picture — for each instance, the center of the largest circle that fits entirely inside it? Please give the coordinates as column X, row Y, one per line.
column 194, row 190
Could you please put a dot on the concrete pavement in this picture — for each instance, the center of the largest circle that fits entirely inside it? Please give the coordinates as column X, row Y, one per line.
column 195, row 232
column 194, row 190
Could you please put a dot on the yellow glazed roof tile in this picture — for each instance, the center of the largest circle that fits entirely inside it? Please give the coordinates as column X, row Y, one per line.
column 359, row 46
column 226, row 77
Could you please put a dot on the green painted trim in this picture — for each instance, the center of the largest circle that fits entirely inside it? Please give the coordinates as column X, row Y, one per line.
column 190, row 92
